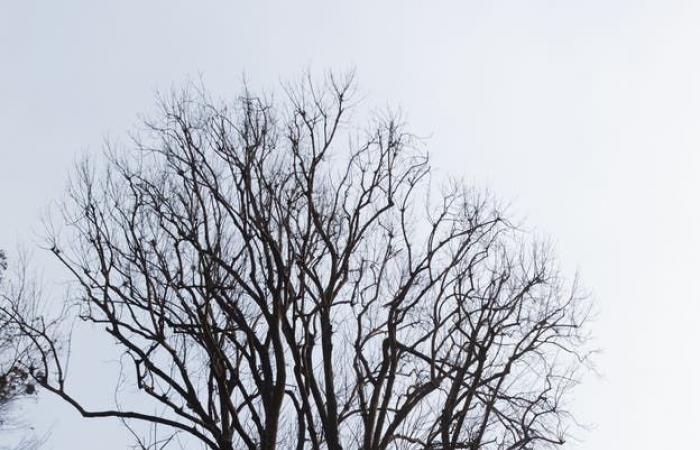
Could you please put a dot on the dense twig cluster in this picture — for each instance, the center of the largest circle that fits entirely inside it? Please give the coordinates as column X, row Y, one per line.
column 273, row 290
column 17, row 297
column 15, row 381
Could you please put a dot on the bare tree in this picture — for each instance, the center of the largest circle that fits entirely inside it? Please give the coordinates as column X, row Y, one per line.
column 16, row 383
column 279, row 279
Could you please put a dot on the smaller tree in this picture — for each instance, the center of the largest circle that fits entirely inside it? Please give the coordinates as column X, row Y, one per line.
column 16, row 299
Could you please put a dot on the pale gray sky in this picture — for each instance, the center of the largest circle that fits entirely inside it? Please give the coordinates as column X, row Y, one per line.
column 583, row 113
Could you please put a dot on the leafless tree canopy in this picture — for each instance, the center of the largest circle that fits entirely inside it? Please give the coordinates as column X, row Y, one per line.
column 16, row 299
column 279, row 279
column 14, row 378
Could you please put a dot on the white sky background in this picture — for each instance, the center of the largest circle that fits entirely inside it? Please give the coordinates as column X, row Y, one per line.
column 584, row 114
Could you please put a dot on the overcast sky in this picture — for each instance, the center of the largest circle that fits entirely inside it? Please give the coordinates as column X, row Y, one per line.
column 583, row 114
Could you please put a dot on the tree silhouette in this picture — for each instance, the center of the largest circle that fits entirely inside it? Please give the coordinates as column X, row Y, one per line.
column 279, row 278
column 15, row 380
